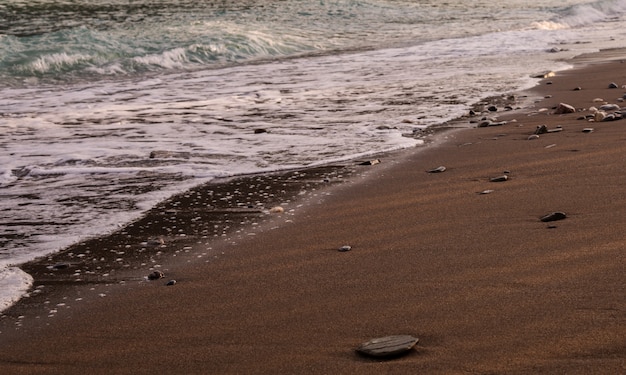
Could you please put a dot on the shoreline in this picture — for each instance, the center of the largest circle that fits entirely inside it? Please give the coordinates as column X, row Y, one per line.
column 343, row 217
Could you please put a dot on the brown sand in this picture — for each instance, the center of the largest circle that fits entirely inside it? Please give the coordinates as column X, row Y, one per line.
column 486, row 286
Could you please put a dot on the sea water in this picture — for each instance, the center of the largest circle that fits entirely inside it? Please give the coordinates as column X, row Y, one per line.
column 108, row 107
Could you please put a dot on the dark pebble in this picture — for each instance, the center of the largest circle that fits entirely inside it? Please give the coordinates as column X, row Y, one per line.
column 613, row 85
column 370, row 162
column 171, row 282
column 554, row 216
column 155, row 275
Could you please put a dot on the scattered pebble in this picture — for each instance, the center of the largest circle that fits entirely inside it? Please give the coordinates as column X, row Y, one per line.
column 437, row 170
column 554, row 216
column 541, row 129
column 613, row 85
column 609, row 107
column 488, row 191
column 563, row 108
column 156, row 275
column 388, row 347
column 277, row 210
column 345, row 248
column 153, row 242
column 499, row 178
column 587, row 130
column 533, row 136
column 171, row 282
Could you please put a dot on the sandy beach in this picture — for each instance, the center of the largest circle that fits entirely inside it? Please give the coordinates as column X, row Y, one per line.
column 486, row 286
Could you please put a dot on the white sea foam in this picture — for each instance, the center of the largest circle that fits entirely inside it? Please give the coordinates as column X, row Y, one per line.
column 13, row 284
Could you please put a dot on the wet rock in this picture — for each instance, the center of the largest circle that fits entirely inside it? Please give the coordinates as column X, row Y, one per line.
column 563, row 108
column 546, row 74
column 388, row 347
column 554, row 216
column 370, row 162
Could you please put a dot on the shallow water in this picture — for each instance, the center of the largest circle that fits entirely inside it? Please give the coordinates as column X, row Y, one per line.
column 90, row 91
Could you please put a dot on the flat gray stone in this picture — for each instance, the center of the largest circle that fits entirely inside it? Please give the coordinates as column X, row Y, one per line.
column 389, row 346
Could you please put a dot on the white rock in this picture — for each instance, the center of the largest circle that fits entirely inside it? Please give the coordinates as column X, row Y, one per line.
column 599, row 116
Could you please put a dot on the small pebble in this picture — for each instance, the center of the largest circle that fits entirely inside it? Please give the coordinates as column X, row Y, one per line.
column 554, row 216
column 613, row 85
column 345, row 248
column 499, row 178
column 587, row 130
column 277, row 210
column 533, row 136
column 171, row 282
column 156, row 275
column 488, row 191
column 437, row 170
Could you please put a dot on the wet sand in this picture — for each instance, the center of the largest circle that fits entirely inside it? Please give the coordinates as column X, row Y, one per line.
column 484, row 284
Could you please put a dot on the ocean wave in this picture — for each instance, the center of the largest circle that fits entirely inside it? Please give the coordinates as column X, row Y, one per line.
column 590, row 13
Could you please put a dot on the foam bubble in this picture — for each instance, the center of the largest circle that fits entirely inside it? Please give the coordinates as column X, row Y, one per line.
column 13, row 284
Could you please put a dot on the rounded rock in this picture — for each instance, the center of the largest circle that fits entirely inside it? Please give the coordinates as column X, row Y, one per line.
column 156, row 275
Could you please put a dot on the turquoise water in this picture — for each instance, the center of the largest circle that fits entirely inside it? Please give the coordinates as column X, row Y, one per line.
column 88, row 89
column 83, row 39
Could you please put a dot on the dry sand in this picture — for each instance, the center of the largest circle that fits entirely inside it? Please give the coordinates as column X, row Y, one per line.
column 486, row 286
